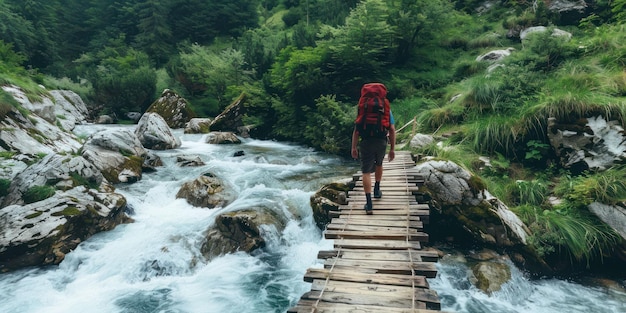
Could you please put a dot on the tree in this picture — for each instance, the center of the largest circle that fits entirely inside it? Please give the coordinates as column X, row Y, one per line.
column 16, row 30
column 362, row 47
column 200, row 21
column 122, row 77
column 208, row 73
column 418, row 21
column 155, row 36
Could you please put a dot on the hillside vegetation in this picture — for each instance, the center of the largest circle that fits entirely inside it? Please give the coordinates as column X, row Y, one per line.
column 302, row 63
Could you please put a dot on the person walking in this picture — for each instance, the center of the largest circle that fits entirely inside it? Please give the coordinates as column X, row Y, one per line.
column 373, row 130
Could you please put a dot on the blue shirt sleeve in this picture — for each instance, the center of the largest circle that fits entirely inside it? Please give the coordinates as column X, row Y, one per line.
column 391, row 120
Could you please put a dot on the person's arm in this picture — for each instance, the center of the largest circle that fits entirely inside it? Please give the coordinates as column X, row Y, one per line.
column 355, row 140
column 392, row 142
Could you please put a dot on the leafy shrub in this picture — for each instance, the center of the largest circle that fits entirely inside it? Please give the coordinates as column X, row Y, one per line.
column 577, row 233
column 38, row 193
column 330, row 125
column 4, row 186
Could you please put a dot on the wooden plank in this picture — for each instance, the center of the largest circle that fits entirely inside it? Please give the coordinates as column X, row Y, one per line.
column 365, row 277
column 427, row 269
column 403, row 234
column 393, row 255
column 358, row 205
column 312, row 306
column 391, row 184
column 361, row 218
column 389, row 301
column 378, row 291
column 376, row 244
column 382, row 211
column 358, row 222
column 355, row 226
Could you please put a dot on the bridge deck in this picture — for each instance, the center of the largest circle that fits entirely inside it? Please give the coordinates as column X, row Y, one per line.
column 377, row 264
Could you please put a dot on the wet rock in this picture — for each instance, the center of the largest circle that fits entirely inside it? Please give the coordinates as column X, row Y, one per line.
column 117, row 153
column 154, row 133
column 240, row 231
column 206, row 191
column 231, row 118
column 173, row 108
column 222, row 138
column 490, row 276
column 327, row 199
column 41, row 233
column 198, row 126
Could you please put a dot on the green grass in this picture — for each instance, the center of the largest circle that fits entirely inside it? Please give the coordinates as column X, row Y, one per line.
column 4, row 187
column 38, row 193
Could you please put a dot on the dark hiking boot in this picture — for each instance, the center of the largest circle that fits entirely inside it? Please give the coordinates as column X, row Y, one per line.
column 368, row 209
column 378, row 194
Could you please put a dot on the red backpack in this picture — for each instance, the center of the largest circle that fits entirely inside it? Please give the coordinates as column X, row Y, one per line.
column 373, row 116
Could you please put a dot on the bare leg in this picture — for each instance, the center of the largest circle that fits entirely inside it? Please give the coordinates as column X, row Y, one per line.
column 378, row 175
column 367, row 182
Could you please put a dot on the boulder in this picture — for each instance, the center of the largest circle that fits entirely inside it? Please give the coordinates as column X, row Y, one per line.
column 151, row 162
column 69, row 109
column 134, row 116
column 495, row 55
column 231, row 119
column 154, row 133
column 173, row 108
column 105, row 119
column 207, row 191
column 117, row 153
column 555, row 32
column 222, row 138
column 591, row 143
column 189, row 160
column 329, row 198
column 490, row 276
column 41, row 233
column 198, row 126
column 34, row 135
column 612, row 215
column 59, row 171
column 43, row 108
column 562, row 6
column 240, row 231
column 421, row 141
column 463, row 211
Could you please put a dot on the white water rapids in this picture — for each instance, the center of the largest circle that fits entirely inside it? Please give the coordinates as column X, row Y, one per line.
column 155, row 265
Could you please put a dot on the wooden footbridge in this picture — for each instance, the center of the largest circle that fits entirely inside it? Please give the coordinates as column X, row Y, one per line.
column 377, row 264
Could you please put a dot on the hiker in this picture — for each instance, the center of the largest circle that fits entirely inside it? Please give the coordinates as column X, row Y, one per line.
column 374, row 126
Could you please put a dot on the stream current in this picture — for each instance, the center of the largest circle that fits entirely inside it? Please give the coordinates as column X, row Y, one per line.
column 155, row 264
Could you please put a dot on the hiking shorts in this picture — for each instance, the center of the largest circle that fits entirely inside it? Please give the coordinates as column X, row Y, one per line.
column 372, row 153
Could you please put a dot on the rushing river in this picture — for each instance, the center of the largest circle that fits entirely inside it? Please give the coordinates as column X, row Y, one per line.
column 154, row 264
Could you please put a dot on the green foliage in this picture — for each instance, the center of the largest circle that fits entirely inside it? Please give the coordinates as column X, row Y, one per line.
column 329, row 126
column 4, row 187
column 37, row 193
column 536, row 150
column 123, row 79
column 607, row 187
column 298, row 74
column 494, row 133
column 544, row 51
column 68, row 211
column 209, row 73
column 361, row 47
column 577, row 233
column 618, row 7
column 533, row 192
column 79, row 180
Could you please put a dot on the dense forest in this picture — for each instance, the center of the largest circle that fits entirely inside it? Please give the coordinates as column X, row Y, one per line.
column 301, row 64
